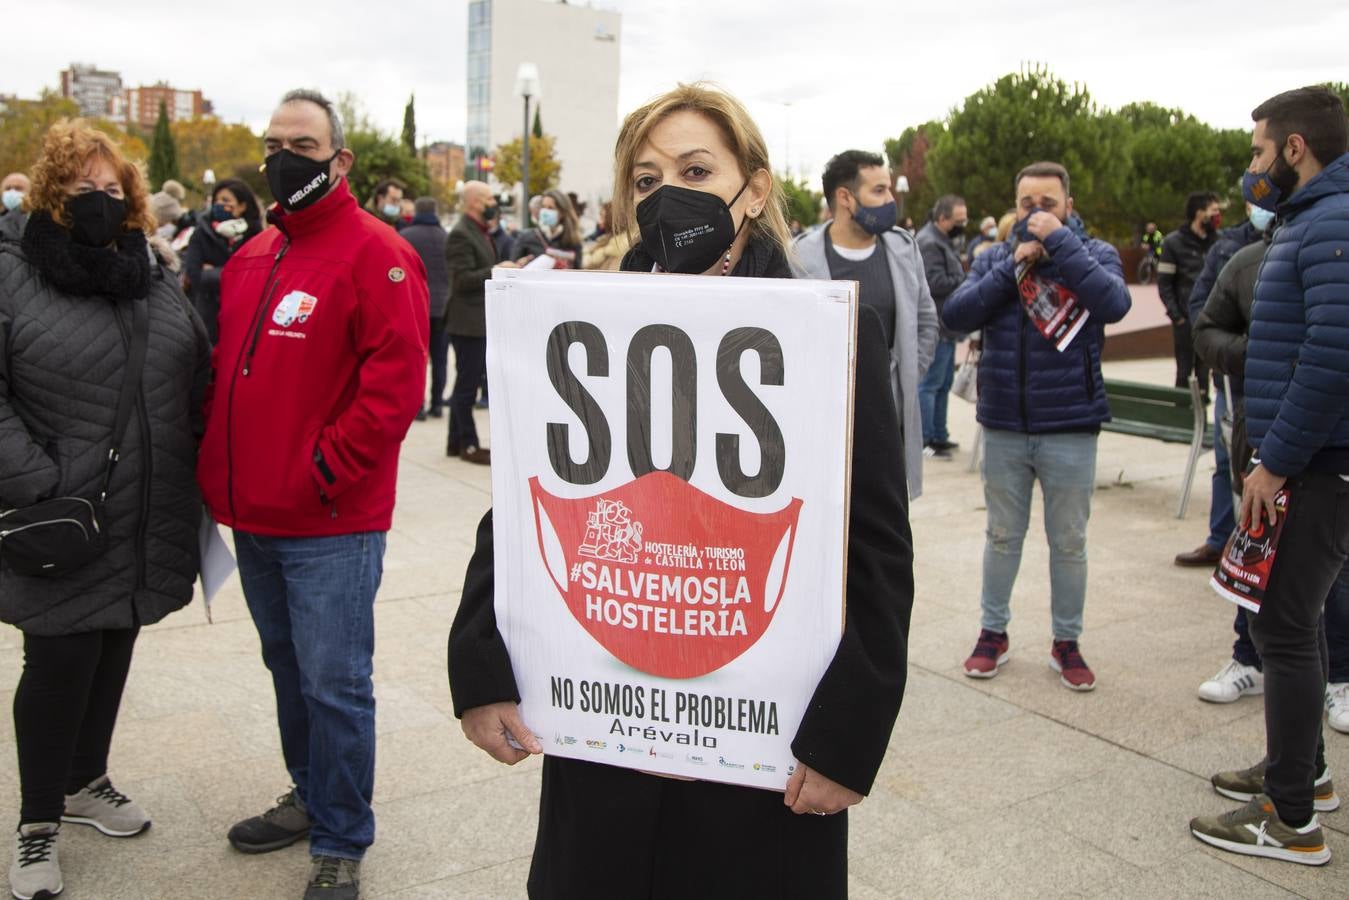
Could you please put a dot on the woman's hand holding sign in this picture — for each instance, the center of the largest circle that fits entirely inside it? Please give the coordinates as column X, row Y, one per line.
column 493, row 726
column 810, row 792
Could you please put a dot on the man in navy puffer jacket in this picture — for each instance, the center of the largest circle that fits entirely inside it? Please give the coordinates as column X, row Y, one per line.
column 1297, row 419
column 1041, row 408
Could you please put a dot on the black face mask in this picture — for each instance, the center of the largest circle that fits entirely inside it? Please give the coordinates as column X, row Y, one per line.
column 956, row 230
column 297, row 181
column 686, row 231
column 96, row 218
column 489, row 214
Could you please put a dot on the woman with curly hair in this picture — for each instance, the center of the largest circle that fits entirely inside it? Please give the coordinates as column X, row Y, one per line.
column 79, row 288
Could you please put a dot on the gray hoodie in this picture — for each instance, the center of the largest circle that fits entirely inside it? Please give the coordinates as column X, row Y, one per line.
column 915, row 331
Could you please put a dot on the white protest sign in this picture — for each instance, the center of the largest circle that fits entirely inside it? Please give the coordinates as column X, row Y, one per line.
column 670, row 470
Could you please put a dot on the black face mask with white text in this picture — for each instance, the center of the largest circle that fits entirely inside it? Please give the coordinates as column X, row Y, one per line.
column 297, row 181
column 686, row 231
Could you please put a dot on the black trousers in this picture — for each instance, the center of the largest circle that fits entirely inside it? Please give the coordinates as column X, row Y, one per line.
column 65, row 709
column 610, row 832
column 1183, row 343
column 1290, row 635
column 440, row 356
column 470, row 367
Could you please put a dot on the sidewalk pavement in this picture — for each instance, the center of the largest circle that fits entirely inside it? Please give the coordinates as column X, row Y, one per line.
column 1013, row 787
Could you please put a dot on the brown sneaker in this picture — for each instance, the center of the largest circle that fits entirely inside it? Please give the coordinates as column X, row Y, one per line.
column 990, row 652
column 1066, row 659
column 476, row 455
column 1203, row 556
column 1256, row 830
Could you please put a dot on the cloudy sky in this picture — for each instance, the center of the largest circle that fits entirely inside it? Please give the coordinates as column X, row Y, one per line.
column 853, row 72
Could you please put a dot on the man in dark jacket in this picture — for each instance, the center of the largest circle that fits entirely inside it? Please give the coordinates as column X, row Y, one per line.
column 1297, row 378
column 1182, row 260
column 941, row 263
column 320, row 368
column 469, row 258
column 427, row 237
column 1221, row 519
column 1041, row 403
column 1220, row 331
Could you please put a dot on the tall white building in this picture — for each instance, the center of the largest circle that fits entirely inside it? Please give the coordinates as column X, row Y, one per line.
column 576, row 51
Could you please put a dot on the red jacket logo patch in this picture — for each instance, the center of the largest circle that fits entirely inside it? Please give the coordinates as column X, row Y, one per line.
column 297, row 306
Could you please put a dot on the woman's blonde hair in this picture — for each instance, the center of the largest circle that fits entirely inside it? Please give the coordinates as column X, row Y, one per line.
column 742, row 136
column 566, row 217
column 66, row 152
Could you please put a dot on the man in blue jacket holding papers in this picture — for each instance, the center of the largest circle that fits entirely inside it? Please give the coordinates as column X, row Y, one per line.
column 1042, row 302
column 1295, row 501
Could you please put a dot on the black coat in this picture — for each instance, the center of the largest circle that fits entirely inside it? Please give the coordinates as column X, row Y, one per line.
column 204, row 248
column 534, row 243
column 1181, row 263
column 428, row 238
column 941, row 265
column 61, row 366
column 1220, row 335
column 469, row 258
column 1220, row 332
column 748, row 843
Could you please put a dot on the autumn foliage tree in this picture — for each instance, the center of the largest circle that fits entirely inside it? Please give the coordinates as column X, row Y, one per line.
column 545, row 172
column 24, row 124
column 228, row 150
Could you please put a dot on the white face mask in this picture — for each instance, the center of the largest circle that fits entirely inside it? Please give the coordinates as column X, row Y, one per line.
column 548, row 218
column 12, row 198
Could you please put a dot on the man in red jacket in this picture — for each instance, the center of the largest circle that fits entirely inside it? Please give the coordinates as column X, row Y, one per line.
column 319, row 372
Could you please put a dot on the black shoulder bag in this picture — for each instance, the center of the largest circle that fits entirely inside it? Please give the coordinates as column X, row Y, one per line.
column 59, row 535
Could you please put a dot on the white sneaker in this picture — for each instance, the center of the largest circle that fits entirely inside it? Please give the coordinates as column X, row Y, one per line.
column 1232, row 683
column 1337, row 706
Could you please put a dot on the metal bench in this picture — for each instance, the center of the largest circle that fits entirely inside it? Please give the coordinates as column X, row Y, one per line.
column 1170, row 414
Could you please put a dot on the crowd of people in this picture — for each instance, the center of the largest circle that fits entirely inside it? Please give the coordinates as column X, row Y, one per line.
column 205, row 327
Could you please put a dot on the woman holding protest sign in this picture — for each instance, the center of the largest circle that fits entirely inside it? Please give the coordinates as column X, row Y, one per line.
column 692, row 162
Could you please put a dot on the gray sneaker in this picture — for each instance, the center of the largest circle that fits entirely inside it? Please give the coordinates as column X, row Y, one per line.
column 36, row 872
column 1256, row 830
column 1243, row 784
column 332, row 878
column 110, row 811
column 278, row 827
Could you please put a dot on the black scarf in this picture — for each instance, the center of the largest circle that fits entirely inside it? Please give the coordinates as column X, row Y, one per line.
column 120, row 272
column 763, row 258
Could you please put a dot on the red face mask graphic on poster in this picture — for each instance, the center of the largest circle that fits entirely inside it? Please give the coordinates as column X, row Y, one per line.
column 670, row 580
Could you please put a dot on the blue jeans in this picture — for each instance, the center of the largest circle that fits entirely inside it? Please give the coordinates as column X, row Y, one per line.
column 935, row 389
column 312, row 600
column 1065, row 465
column 1222, row 519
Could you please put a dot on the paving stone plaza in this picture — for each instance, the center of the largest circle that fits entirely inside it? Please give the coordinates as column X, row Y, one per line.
column 1013, row 787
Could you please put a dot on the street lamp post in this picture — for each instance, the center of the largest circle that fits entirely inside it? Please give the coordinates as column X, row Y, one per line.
column 902, row 188
column 526, row 86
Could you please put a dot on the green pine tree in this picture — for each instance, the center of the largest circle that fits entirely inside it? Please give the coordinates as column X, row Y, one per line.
column 538, row 122
column 410, row 125
column 163, row 153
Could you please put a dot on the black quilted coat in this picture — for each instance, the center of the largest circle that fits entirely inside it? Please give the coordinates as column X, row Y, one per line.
column 65, row 326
